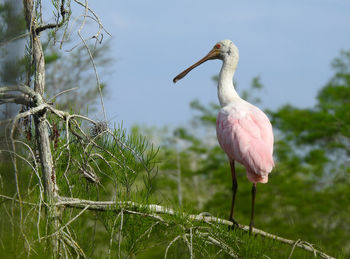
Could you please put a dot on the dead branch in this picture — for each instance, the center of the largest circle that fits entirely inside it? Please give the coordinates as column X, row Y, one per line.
column 16, row 200
column 14, row 98
column 41, row 129
column 18, row 88
column 37, row 108
column 153, row 209
column 56, row 25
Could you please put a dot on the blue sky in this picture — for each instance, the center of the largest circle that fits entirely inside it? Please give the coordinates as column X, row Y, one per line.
column 290, row 44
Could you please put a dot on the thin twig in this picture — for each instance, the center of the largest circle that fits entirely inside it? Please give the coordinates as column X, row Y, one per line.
column 291, row 252
column 112, row 233
column 63, row 92
column 16, row 200
column 67, row 224
column 120, row 232
column 170, row 244
column 14, row 38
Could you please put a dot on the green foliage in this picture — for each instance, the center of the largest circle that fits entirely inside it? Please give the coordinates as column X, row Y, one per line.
column 114, row 165
column 12, row 19
column 307, row 194
column 306, row 198
column 12, row 25
column 320, row 136
column 105, row 165
column 124, row 163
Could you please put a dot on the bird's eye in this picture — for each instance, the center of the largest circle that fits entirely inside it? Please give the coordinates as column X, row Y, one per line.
column 218, row 46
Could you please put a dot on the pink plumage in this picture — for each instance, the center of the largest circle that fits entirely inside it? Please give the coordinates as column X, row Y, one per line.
column 245, row 134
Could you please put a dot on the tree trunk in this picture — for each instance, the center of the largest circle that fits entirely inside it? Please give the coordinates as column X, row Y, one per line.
column 42, row 132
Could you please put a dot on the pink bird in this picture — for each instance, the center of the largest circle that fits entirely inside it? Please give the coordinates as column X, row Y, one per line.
column 244, row 132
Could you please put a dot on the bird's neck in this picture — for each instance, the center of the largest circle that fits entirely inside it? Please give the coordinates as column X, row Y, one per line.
column 226, row 90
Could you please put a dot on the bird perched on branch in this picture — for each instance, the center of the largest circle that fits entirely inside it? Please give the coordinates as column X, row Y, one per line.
column 244, row 132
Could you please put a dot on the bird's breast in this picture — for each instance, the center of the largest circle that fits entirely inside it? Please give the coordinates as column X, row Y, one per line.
column 246, row 136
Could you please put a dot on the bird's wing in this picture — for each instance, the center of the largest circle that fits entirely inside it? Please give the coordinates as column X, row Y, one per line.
column 247, row 138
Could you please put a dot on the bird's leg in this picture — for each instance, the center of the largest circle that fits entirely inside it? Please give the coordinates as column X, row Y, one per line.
column 251, row 224
column 234, row 191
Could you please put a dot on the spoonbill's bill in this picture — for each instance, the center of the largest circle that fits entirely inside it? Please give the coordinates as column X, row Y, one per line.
column 244, row 132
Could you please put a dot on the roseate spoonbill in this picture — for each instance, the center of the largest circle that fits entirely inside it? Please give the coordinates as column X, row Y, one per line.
column 244, row 132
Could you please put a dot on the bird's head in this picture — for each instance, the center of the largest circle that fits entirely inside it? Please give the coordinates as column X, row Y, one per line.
column 224, row 50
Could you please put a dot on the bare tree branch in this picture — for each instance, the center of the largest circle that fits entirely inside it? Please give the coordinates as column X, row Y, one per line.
column 157, row 209
column 56, row 25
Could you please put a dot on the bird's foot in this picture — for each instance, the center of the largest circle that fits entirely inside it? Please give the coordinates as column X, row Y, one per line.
column 234, row 224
